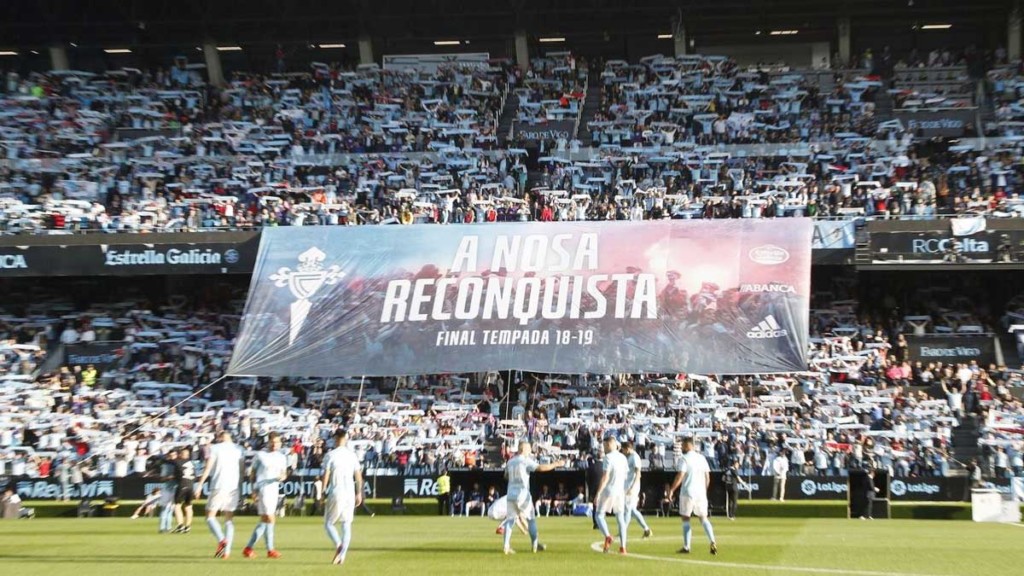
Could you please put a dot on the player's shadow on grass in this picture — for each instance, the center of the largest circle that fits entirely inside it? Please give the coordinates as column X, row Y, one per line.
column 425, row 550
column 32, row 558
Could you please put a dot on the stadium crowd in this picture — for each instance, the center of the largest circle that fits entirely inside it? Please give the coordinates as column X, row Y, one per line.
column 863, row 404
column 143, row 152
column 137, row 152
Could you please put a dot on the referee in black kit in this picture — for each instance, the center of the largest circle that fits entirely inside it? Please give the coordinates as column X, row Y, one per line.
column 731, row 480
column 594, row 474
column 870, row 492
column 184, row 478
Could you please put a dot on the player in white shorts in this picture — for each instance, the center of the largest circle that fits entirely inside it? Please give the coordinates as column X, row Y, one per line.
column 633, row 488
column 343, row 481
column 499, row 511
column 611, row 493
column 269, row 469
column 693, row 480
column 519, row 499
column 224, row 470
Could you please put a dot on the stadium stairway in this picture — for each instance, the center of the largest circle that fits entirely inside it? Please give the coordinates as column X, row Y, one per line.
column 536, row 178
column 492, row 453
column 862, row 251
column 508, row 114
column 985, row 113
column 965, row 440
column 591, row 106
column 883, row 106
column 1008, row 350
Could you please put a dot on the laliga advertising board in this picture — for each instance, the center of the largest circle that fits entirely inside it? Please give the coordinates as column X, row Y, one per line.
column 725, row 297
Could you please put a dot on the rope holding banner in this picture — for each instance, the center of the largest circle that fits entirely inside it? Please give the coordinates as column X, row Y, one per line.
column 165, row 412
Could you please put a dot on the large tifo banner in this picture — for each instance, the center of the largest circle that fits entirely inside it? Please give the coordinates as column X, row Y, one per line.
column 834, row 235
column 724, row 297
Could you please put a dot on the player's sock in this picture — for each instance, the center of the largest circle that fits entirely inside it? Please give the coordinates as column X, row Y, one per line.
column 602, row 525
column 332, row 533
column 269, row 534
column 510, row 523
column 621, row 520
column 215, row 528
column 346, row 536
column 687, row 533
column 229, row 532
column 257, row 533
column 639, row 518
column 532, row 525
column 706, row 523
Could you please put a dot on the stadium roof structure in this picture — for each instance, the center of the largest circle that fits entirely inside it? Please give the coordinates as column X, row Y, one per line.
column 101, row 23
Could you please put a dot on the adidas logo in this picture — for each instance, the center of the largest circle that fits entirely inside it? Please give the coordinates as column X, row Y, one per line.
column 767, row 328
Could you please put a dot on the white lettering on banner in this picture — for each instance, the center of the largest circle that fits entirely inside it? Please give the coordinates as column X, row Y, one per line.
column 810, row 487
column 43, row 490
column 941, row 245
column 419, row 487
column 900, row 488
column 529, row 297
column 769, row 255
column 543, row 134
column 172, row 256
column 772, row 287
column 101, row 358
column 529, row 253
column 952, row 352
column 939, row 124
column 11, row 261
column 500, row 298
column 447, row 338
column 289, row 488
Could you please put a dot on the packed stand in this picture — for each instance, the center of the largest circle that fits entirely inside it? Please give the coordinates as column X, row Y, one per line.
column 709, row 100
column 862, row 404
column 553, row 89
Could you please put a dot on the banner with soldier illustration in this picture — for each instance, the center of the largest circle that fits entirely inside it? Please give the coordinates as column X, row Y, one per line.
column 724, row 297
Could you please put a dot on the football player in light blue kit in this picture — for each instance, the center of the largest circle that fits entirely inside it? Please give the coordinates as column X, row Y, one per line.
column 224, row 470
column 520, row 501
column 611, row 493
column 633, row 487
column 343, row 481
column 692, row 480
column 269, row 469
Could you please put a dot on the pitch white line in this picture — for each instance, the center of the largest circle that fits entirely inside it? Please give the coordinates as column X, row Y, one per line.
column 596, row 547
column 1015, row 525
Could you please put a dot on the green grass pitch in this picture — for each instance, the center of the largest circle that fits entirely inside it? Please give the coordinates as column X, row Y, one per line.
column 410, row 545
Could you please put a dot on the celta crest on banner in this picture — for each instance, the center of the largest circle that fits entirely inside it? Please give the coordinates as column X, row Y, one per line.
column 304, row 284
